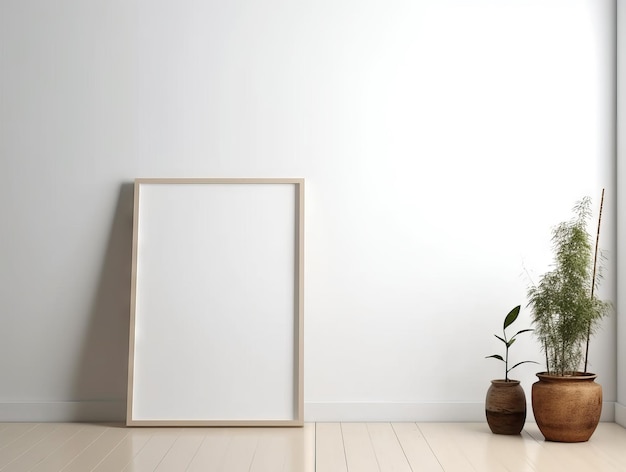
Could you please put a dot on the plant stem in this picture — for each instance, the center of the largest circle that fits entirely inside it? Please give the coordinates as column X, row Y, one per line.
column 506, row 357
column 593, row 276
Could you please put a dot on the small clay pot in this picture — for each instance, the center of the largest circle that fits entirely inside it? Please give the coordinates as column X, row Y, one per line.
column 505, row 407
column 567, row 408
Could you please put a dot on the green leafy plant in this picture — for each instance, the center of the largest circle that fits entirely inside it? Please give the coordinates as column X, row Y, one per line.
column 565, row 310
column 508, row 342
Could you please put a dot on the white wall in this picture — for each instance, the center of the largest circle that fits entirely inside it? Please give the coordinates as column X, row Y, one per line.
column 620, row 407
column 440, row 141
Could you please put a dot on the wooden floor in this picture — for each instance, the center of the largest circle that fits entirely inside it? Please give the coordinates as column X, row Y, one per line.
column 319, row 447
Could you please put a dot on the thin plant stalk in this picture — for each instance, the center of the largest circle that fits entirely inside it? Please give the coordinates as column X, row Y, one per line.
column 506, row 361
column 508, row 342
column 593, row 277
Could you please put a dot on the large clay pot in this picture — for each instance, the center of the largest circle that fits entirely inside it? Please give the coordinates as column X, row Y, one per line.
column 505, row 407
column 567, row 408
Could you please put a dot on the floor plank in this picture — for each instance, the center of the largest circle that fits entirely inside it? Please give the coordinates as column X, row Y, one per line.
column 61, row 433
column 270, row 454
column 360, row 455
column 487, row 451
column 153, row 452
column 445, row 445
column 610, row 440
column 415, row 447
column 70, row 449
column 12, row 450
column 570, row 456
column 92, row 455
column 329, row 451
column 513, row 452
column 241, row 450
column 301, row 452
column 212, row 452
column 322, row 447
column 182, row 451
column 125, row 451
column 389, row 453
column 13, row 431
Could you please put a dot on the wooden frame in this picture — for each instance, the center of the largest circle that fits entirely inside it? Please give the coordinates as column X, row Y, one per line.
column 216, row 325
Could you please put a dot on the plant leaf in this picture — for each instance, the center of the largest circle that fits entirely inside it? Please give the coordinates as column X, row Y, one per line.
column 523, row 331
column 520, row 363
column 511, row 317
column 511, row 341
column 496, row 356
column 501, row 339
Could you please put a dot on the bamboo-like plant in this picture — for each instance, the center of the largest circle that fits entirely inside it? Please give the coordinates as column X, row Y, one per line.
column 564, row 308
column 508, row 342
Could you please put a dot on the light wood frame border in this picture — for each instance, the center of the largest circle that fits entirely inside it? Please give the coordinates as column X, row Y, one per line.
column 298, row 419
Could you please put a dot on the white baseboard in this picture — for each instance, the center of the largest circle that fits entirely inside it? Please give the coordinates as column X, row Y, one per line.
column 620, row 414
column 115, row 411
column 422, row 412
column 385, row 411
column 100, row 411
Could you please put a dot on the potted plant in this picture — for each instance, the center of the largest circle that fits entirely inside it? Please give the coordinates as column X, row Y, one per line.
column 505, row 405
column 566, row 401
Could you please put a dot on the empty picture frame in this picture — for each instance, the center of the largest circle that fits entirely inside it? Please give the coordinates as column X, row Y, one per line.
column 216, row 331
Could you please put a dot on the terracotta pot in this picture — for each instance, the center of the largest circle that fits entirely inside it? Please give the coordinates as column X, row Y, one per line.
column 505, row 407
column 567, row 409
